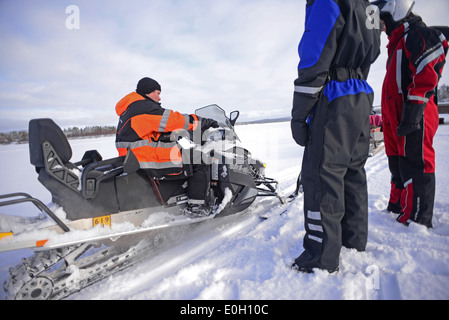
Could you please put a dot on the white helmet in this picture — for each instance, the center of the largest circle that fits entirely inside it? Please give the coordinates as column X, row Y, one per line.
column 398, row 9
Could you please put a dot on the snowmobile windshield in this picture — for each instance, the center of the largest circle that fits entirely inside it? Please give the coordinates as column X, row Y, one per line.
column 214, row 112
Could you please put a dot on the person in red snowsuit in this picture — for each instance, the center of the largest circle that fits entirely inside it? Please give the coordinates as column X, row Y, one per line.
column 375, row 120
column 416, row 56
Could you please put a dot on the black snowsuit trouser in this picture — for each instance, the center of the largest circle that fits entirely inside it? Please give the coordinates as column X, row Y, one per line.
column 199, row 181
column 334, row 180
column 197, row 168
column 199, row 184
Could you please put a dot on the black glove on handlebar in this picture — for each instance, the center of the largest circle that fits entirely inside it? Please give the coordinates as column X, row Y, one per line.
column 208, row 123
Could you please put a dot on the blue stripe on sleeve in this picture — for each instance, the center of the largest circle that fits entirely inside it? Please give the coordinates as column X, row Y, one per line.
column 320, row 19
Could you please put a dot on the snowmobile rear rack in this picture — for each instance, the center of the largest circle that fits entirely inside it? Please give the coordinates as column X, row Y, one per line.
column 27, row 198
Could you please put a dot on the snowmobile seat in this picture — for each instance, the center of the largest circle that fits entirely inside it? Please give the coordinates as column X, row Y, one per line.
column 97, row 172
column 76, row 190
column 92, row 187
column 50, row 149
column 41, row 130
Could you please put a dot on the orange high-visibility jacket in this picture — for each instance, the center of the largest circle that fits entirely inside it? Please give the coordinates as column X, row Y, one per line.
column 142, row 123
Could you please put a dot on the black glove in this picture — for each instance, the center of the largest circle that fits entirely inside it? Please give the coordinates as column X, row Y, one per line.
column 412, row 114
column 303, row 109
column 208, row 123
column 300, row 131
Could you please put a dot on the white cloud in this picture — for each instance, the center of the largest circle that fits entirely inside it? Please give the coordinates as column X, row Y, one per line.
column 241, row 54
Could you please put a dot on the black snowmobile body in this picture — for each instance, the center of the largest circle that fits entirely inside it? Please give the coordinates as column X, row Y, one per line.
column 94, row 187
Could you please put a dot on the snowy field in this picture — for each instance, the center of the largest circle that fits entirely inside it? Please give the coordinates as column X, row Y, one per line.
column 243, row 258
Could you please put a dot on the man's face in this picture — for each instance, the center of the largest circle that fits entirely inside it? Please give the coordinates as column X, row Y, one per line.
column 155, row 95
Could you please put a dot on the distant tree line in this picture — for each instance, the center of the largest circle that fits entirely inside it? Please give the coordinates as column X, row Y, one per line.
column 89, row 131
column 75, row 132
column 15, row 136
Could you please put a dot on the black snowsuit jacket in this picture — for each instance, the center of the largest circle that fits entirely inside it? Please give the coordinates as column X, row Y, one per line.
column 330, row 117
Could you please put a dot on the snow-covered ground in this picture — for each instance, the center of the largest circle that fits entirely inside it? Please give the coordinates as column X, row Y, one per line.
column 245, row 258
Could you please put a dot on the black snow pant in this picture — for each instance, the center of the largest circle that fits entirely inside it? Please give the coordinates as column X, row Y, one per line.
column 197, row 168
column 413, row 191
column 199, row 184
column 199, row 181
column 334, row 180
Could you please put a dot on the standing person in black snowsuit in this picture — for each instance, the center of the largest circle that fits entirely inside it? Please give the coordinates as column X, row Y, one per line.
column 330, row 117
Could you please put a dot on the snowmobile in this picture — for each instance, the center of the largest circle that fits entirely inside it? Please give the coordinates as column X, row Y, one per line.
column 376, row 136
column 115, row 213
column 376, row 141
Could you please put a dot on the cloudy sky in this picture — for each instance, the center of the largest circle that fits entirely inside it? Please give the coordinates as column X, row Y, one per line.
column 240, row 54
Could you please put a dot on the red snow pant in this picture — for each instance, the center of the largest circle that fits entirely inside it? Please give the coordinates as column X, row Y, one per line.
column 411, row 161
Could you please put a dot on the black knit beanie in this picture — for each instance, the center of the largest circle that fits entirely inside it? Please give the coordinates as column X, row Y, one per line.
column 147, row 85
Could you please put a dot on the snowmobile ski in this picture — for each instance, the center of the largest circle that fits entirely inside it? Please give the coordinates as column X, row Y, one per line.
column 376, row 148
column 56, row 241
column 285, row 205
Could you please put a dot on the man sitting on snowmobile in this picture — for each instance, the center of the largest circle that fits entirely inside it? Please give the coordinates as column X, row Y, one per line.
column 145, row 128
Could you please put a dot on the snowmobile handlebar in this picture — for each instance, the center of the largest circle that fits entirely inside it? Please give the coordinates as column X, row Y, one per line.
column 27, row 198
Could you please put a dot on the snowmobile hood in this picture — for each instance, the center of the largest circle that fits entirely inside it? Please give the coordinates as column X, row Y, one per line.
column 123, row 104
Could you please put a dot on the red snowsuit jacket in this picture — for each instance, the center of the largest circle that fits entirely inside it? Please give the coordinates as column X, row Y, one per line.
column 416, row 56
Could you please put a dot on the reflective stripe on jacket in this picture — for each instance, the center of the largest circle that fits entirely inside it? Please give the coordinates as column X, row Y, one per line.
column 141, row 125
column 335, row 55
